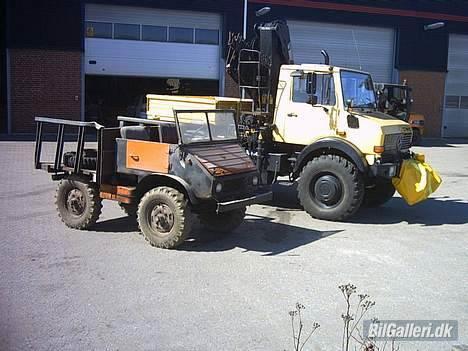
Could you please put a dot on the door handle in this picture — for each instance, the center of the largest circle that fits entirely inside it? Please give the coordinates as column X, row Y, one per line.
column 292, row 114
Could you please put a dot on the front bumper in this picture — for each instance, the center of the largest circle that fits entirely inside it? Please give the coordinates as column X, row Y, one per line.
column 384, row 170
column 234, row 204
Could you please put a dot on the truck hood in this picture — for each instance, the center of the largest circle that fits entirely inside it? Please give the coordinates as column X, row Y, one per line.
column 387, row 123
column 223, row 159
column 382, row 118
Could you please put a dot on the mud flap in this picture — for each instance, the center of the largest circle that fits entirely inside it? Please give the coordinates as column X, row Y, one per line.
column 417, row 180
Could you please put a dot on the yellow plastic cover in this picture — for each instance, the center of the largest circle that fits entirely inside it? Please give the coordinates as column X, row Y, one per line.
column 417, row 180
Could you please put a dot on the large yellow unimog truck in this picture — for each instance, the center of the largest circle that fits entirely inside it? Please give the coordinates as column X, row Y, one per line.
column 316, row 123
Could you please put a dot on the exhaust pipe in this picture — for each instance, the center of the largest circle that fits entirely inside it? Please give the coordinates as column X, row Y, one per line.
column 326, row 57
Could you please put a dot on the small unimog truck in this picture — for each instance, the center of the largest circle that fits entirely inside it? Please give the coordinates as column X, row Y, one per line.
column 161, row 172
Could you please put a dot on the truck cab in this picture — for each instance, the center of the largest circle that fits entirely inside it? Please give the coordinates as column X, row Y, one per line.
column 337, row 103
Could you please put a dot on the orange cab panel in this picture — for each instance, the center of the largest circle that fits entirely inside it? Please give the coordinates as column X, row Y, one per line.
column 148, row 156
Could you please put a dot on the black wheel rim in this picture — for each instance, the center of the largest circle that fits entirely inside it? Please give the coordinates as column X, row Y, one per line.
column 76, row 202
column 326, row 190
column 161, row 219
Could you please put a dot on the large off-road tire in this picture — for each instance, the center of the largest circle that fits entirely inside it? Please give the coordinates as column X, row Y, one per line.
column 88, row 161
column 379, row 194
column 330, row 187
column 78, row 203
column 164, row 217
column 216, row 226
column 416, row 140
column 129, row 209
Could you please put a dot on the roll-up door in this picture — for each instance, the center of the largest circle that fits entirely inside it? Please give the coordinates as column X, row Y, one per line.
column 148, row 42
column 370, row 49
column 455, row 122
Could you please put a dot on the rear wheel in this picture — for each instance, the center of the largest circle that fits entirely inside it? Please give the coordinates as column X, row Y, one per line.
column 164, row 217
column 330, row 187
column 78, row 203
column 379, row 194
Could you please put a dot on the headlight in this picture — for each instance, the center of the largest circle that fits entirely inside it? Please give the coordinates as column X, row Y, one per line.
column 219, row 187
column 255, row 180
column 418, row 122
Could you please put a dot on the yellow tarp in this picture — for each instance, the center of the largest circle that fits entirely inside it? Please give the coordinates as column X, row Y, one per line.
column 416, row 181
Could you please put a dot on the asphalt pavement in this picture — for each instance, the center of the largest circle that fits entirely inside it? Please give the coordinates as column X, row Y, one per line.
column 108, row 289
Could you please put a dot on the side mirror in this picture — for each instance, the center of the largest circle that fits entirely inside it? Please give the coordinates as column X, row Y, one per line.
column 311, row 84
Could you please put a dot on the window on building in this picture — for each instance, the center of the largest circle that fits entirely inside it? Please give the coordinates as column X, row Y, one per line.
column 98, row 30
column 452, row 101
column 153, row 33
column 206, row 36
column 324, row 91
column 127, row 31
column 180, row 35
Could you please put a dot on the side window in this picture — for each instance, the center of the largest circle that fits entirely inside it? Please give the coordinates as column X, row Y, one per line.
column 299, row 90
column 324, row 90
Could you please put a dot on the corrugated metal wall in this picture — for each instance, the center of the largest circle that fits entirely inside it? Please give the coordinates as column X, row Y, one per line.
column 455, row 122
column 369, row 49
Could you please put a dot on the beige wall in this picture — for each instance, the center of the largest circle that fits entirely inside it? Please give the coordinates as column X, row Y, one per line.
column 428, row 95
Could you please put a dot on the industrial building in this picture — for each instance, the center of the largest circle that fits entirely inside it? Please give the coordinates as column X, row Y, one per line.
column 92, row 60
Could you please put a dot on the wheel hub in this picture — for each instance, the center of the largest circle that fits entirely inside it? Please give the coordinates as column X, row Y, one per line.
column 162, row 218
column 76, row 202
column 327, row 190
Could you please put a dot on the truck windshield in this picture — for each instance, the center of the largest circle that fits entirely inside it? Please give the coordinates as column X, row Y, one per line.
column 358, row 88
column 206, row 126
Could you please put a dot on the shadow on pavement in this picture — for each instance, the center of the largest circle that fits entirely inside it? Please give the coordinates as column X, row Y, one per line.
column 259, row 234
column 116, row 225
column 432, row 212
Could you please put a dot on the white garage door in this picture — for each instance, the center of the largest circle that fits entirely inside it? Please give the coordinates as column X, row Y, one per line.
column 132, row 41
column 370, row 49
column 456, row 88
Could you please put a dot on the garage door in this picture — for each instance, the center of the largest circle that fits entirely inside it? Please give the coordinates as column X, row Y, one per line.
column 370, row 49
column 456, row 88
column 131, row 41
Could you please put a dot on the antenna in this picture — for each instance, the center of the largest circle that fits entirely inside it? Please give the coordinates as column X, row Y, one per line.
column 357, row 49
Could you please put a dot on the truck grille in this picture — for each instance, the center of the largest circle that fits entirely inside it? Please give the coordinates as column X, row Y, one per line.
column 397, row 142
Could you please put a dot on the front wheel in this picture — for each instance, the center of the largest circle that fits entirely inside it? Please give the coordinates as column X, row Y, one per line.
column 330, row 187
column 78, row 203
column 164, row 217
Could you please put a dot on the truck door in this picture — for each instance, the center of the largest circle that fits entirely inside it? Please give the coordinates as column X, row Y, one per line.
column 310, row 112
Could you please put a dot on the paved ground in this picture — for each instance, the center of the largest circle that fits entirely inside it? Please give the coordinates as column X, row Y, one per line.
column 107, row 289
